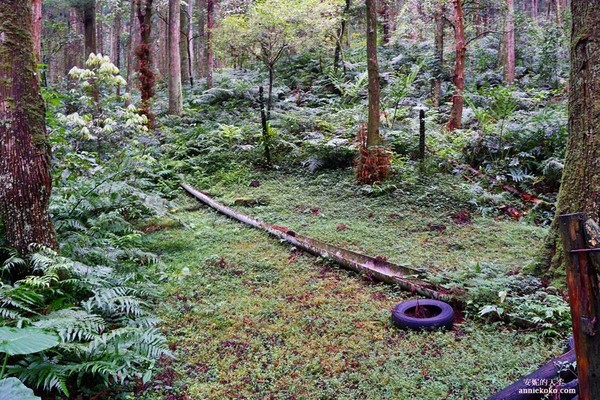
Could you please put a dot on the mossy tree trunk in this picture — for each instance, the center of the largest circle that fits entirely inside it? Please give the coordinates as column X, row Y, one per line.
column 580, row 188
column 373, row 137
column 25, row 181
column 459, row 67
column 373, row 162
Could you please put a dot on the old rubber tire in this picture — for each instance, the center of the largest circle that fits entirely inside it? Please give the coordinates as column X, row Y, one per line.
column 443, row 318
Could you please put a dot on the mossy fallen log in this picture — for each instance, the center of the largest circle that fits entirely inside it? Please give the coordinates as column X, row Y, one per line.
column 407, row 278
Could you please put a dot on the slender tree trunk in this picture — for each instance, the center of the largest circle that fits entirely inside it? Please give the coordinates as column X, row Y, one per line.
column 338, row 56
column 477, row 17
column 534, row 9
column 372, row 164
column 438, row 17
column 100, row 29
column 201, row 40
column 115, row 50
column 580, row 188
column 385, row 14
column 183, row 43
column 509, row 32
column 459, row 68
column 190, row 42
column 175, row 97
column 146, row 75
column 25, row 180
column 37, row 30
column 89, row 25
column 210, row 24
column 559, row 11
column 270, row 97
column 373, row 137
column 132, row 44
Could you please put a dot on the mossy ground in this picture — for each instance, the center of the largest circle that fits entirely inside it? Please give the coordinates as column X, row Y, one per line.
column 250, row 318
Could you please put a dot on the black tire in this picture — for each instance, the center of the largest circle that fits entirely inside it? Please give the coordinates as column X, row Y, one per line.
column 443, row 318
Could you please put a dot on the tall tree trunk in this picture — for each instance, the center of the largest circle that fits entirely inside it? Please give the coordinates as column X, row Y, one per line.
column 477, row 17
column 89, row 26
column 183, row 43
column 24, row 150
column 534, row 9
column 100, row 29
column 115, row 50
column 438, row 17
column 386, row 14
column 509, row 33
column 201, row 39
column 175, row 97
column 132, row 44
column 580, row 188
column 210, row 24
column 146, row 75
column 372, row 164
column 190, row 42
column 37, row 30
column 459, row 68
column 373, row 137
column 74, row 49
column 339, row 52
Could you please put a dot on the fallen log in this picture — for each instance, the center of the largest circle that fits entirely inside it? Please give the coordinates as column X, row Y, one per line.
column 407, row 278
column 530, row 388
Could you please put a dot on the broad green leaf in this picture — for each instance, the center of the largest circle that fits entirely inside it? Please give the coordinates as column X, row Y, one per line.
column 12, row 388
column 25, row 341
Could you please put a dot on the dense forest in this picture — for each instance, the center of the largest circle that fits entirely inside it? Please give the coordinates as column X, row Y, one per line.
column 418, row 162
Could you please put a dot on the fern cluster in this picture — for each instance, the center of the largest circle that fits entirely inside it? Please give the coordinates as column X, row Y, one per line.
column 102, row 316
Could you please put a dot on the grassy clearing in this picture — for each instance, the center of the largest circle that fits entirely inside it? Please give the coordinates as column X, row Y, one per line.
column 250, row 318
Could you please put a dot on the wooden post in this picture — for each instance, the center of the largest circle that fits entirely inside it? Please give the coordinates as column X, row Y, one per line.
column 422, row 134
column 584, row 299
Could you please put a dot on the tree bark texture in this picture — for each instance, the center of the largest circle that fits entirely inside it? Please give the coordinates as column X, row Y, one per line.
column 175, row 96
column 74, row 49
column 146, row 75
column 459, row 67
column 25, row 182
column 37, row 30
column 210, row 25
column 190, row 42
column 509, row 34
column 200, row 39
column 373, row 137
column 438, row 17
column 184, row 29
column 580, row 188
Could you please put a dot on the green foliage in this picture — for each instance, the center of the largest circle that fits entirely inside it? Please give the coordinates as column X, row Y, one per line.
column 101, row 314
column 492, row 293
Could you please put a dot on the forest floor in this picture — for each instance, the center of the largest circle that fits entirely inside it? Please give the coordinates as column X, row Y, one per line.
column 249, row 317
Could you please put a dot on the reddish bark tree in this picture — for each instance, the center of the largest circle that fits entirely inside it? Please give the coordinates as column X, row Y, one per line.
column 459, row 67
column 37, row 30
column 24, row 150
column 146, row 75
